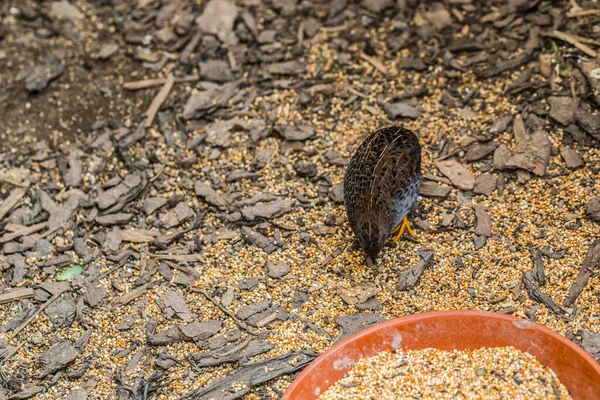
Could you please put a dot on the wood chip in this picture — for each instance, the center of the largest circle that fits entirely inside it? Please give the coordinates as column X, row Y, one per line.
column 239, row 382
column 12, row 200
column 536, row 294
column 484, row 222
column 359, row 293
column 409, row 278
column 590, row 264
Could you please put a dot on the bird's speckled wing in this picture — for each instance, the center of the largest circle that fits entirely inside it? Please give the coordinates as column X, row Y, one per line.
column 384, row 167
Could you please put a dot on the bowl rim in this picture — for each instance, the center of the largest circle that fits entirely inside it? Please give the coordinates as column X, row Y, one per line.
column 541, row 329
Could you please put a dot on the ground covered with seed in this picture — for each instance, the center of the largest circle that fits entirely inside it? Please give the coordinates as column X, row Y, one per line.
column 171, row 183
column 490, row 373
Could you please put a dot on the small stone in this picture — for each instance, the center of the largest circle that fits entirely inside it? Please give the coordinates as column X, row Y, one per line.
column 177, row 216
column 65, row 10
column 479, row 150
column 216, row 71
column 479, row 242
column 261, row 158
column 257, row 239
column 217, row 19
column 501, row 156
column 377, row 6
column 227, row 297
column 411, row 63
column 350, row 324
column 248, row 283
column 460, row 176
column 152, row 204
column 305, row 169
column 286, row 8
column 485, row 184
column 295, row 133
column 573, row 159
column 278, row 270
column 262, row 211
column 165, row 35
column 311, row 27
column 402, row 109
column 337, row 193
column 359, row 293
column 433, row 189
column 592, row 209
column 107, row 51
column 438, row 16
column 484, row 222
column 562, row 109
column 532, row 153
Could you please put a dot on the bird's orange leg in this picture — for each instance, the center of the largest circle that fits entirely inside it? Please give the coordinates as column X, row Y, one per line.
column 401, row 228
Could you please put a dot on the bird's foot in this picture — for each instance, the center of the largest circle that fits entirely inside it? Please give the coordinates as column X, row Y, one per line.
column 404, row 226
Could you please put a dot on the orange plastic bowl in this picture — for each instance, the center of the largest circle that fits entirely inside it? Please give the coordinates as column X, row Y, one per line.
column 449, row 330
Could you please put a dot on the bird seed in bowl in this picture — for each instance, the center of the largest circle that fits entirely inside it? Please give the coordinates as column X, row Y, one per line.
column 486, row 373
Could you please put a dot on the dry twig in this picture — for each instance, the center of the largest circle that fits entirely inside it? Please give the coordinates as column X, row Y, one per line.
column 567, row 37
column 583, row 13
column 374, row 62
column 12, row 352
column 235, row 319
column 19, row 294
column 159, row 99
column 148, row 83
column 39, row 310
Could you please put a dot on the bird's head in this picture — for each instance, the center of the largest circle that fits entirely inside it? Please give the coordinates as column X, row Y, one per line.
column 371, row 237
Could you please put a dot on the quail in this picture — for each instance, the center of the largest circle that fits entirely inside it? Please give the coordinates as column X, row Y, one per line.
column 381, row 184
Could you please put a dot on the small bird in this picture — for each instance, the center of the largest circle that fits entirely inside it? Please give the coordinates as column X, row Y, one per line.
column 381, row 184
